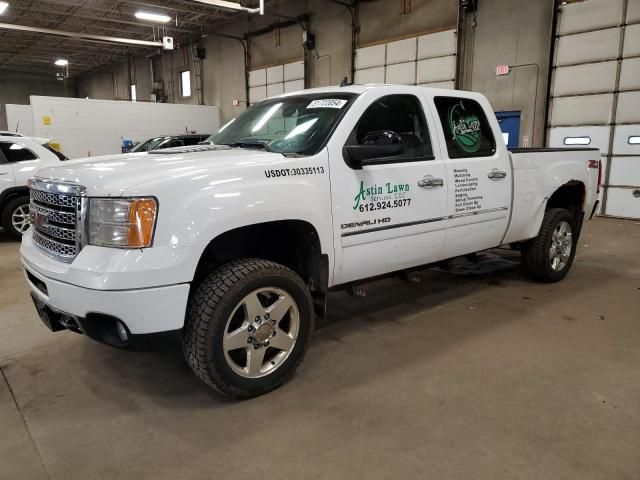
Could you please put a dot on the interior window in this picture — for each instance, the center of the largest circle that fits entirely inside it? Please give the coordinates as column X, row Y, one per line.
column 14, row 152
column 402, row 115
column 172, row 143
column 466, row 129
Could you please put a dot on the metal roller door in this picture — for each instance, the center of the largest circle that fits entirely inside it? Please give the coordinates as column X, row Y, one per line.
column 428, row 60
column 595, row 93
column 275, row 80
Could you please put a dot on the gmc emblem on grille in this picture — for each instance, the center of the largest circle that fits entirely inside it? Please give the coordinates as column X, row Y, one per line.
column 40, row 219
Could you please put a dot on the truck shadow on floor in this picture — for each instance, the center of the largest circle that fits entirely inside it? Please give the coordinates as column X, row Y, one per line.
column 391, row 303
column 6, row 238
column 398, row 330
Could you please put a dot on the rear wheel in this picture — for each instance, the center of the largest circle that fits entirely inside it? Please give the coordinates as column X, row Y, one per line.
column 247, row 327
column 549, row 256
column 15, row 216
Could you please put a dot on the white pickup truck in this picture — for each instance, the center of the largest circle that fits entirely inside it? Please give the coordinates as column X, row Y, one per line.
column 236, row 243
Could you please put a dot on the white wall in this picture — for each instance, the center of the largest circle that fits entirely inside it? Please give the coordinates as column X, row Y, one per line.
column 96, row 127
column 428, row 60
column 20, row 119
column 596, row 94
column 275, row 80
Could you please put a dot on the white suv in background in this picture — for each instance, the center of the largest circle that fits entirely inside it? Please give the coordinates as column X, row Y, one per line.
column 20, row 158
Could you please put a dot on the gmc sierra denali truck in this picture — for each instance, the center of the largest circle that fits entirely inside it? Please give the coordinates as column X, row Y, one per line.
column 236, row 243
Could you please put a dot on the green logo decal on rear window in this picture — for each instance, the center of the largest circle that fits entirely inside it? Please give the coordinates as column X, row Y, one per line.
column 465, row 128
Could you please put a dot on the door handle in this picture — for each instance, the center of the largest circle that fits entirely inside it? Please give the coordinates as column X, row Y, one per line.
column 4, row 173
column 496, row 174
column 429, row 182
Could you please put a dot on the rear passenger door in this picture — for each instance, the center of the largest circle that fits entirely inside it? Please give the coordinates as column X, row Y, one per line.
column 478, row 175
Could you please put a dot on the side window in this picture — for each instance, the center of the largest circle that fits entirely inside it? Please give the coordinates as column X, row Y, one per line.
column 173, row 143
column 14, row 152
column 188, row 141
column 402, row 115
column 466, row 129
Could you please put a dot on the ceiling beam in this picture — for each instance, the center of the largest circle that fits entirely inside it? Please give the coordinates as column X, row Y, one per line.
column 100, row 21
column 82, row 36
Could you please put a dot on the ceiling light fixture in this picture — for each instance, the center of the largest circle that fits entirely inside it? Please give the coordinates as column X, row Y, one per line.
column 153, row 17
column 3, row 7
column 61, row 62
column 233, row 5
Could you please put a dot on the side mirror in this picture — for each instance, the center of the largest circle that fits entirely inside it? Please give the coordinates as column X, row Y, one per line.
column 375, row 145
column 205, row 142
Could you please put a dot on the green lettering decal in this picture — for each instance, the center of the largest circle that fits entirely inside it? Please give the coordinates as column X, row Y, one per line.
column 465, row 128
column 376, row 192
column 360, row 196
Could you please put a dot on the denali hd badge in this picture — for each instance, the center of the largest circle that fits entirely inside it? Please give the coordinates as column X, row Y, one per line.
column 366, row 223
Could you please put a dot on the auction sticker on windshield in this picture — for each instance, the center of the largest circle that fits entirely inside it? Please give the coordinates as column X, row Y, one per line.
column 328, row 103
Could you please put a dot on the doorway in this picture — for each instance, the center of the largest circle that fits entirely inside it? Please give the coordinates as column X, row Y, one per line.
column 510, row 126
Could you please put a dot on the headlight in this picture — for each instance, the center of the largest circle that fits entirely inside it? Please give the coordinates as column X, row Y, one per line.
column 122, row 222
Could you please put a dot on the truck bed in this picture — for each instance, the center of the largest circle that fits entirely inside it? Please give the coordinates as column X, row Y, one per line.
column 537, row 173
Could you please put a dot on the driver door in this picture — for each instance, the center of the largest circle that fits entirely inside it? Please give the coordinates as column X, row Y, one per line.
column 389, row 211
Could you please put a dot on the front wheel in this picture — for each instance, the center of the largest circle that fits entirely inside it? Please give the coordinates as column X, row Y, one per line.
column 549, row 256
column 15, row 217
column 247, row 327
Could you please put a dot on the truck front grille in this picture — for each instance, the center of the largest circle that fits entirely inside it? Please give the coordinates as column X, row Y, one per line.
column 56, row 216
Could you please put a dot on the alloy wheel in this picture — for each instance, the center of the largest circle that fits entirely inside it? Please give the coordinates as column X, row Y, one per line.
column 261, row 332
column 561, row 246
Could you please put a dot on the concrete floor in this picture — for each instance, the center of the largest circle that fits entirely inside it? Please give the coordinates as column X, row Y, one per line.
column 476, row 377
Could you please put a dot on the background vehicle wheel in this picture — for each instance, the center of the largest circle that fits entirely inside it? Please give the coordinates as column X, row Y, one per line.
column 15, row 216
column 549, row 256
column 247, row 327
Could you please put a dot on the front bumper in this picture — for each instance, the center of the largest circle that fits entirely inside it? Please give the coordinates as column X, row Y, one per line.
column 142, row 310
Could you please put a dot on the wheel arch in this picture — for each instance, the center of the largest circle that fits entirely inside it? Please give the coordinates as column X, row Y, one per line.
column 570, row 196
column 10, row 193
column 293, row 243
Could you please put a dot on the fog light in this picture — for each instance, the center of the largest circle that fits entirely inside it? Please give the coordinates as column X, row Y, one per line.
column 122, row 332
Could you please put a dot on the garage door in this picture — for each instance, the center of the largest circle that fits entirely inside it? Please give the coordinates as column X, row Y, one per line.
column 428, row 60
column 275, row 80
column 595, row 93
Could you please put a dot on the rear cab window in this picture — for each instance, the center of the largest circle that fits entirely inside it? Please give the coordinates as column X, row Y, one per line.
column 466, row 129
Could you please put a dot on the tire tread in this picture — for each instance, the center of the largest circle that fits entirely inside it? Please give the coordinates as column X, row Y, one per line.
column 535, row 252
column 209, row 294
column 7, row 211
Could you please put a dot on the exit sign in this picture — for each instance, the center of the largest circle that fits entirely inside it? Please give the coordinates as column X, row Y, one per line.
column 502, row 70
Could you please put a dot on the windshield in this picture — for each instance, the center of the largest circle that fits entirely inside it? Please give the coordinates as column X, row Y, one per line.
column 299, row 125
column 149, row 145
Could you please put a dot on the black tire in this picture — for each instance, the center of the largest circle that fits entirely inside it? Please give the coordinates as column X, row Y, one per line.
column 212, row 303
column 7, row 214
column 536, row 257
